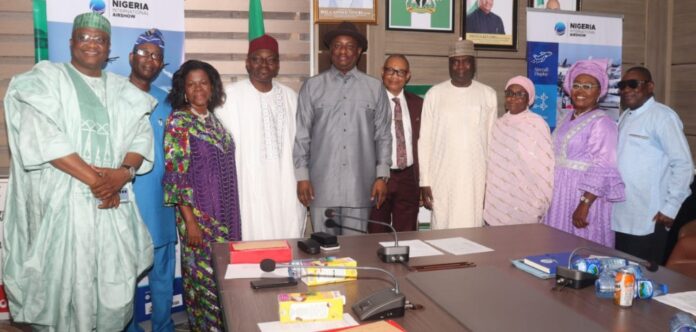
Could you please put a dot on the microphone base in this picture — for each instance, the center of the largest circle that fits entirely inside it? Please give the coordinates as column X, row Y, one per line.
column 393, row 254
column 381, row 305
column 573, row 278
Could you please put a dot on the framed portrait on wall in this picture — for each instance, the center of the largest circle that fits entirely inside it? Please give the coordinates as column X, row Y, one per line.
column 420, row 15
column 334, row 11
column 490, row 24
column 571, row 5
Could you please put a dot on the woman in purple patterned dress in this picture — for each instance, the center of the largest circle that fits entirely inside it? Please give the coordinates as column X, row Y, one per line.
column 200, row 179
column 586, row 180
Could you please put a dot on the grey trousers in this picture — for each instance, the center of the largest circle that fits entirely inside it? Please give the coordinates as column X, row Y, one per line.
column 357, row 226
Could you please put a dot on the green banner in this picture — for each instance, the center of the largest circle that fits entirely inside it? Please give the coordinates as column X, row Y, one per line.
column 40, row 31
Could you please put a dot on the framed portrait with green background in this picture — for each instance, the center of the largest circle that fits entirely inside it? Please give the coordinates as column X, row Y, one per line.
column 420, row 15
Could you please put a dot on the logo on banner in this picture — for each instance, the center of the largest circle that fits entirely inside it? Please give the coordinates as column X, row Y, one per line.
column 560, row 28
column 129, row 9
column 97, row 6
column 578, row 29
column 540, row 57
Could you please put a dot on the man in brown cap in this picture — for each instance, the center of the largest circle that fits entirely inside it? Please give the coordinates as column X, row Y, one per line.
column 342, row 151
column 457, row 119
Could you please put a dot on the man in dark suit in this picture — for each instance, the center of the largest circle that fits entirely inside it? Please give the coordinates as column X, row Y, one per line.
column 401, row 206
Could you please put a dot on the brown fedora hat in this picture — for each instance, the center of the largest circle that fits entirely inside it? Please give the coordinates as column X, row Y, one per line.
column 346, row 29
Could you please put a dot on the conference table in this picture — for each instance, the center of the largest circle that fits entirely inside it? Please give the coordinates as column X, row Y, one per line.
column 491, row 296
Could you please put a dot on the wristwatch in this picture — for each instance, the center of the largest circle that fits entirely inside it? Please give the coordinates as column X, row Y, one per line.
column 383, row 178
column 130, row 169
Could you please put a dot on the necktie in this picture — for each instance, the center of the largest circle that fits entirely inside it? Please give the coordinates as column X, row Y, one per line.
column 400, row 137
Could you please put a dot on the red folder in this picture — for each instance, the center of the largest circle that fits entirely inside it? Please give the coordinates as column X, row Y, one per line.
column 249, row 252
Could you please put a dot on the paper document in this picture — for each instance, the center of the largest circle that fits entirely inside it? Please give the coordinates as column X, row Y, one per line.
column 240, row 271
column 277, row 326
column 459, row 246
column 417, row 248
column 684, row 301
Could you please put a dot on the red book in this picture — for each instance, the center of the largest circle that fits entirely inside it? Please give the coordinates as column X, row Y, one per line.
column 249, row 252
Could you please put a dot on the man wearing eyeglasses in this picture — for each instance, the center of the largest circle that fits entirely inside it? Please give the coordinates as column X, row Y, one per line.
column 260, row 115
column 655, row 163
column 146, row 61
column 401, row 205
column 75, row 243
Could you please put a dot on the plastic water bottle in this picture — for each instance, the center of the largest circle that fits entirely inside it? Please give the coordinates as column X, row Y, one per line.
column 637, row 271
column 605, row 285
column 589, row 265
column 598, row 265
column 682, row 322
column 647, row 289
column 612, row 263
column 295, row 269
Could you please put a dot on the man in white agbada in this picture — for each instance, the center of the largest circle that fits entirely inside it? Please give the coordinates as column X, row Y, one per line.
column 260, row 115
column 456, row 123
column 77, row 135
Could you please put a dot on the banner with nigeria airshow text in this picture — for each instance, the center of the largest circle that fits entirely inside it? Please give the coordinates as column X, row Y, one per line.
column 555, row 41
column 129, row 18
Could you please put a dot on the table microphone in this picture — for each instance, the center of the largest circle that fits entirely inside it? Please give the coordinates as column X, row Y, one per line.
column 566, row 276
column 387, row 303
column 394, row 254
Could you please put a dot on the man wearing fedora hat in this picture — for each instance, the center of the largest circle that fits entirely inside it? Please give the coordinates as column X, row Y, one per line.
column 342, row 150
column 457, row 120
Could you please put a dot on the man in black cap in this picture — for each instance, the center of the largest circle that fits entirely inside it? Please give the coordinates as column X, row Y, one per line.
column 342, row 150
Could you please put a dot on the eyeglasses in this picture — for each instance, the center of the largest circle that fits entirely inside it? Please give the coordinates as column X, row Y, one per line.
column 584, row 86
column 152, row 55
column 630, row 84
column 520, row 94
column 257, row 60
column 391, row 71
column 85, row 38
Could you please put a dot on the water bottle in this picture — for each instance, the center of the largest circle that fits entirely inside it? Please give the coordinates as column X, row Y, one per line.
column 598, row 265
column 682, row 322
column 613, row 263
column 605, row 285
column 637, row 271
column 589, row 265
column 295, row 269
column 647, row 289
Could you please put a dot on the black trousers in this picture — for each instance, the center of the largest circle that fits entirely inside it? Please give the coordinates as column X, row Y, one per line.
column 649, row 247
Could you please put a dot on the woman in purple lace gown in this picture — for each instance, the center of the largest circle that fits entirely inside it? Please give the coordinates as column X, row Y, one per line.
column 200, row 179
column 586, row 180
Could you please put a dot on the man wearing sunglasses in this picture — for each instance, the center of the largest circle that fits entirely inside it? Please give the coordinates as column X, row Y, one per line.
column 147, row 61
column 655, row 164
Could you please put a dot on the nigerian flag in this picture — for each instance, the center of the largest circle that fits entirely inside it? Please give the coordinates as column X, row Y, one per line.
column 256, row 28
column 430, row 15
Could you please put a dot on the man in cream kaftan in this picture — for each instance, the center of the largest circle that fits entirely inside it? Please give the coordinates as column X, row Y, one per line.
column 69, row 265
column 456, row 123
column 262, row 126
column 260, row 115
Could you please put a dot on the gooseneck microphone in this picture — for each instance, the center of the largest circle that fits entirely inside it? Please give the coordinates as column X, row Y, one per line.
column 383, row 304
column 394, row 254
column 566, row 276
